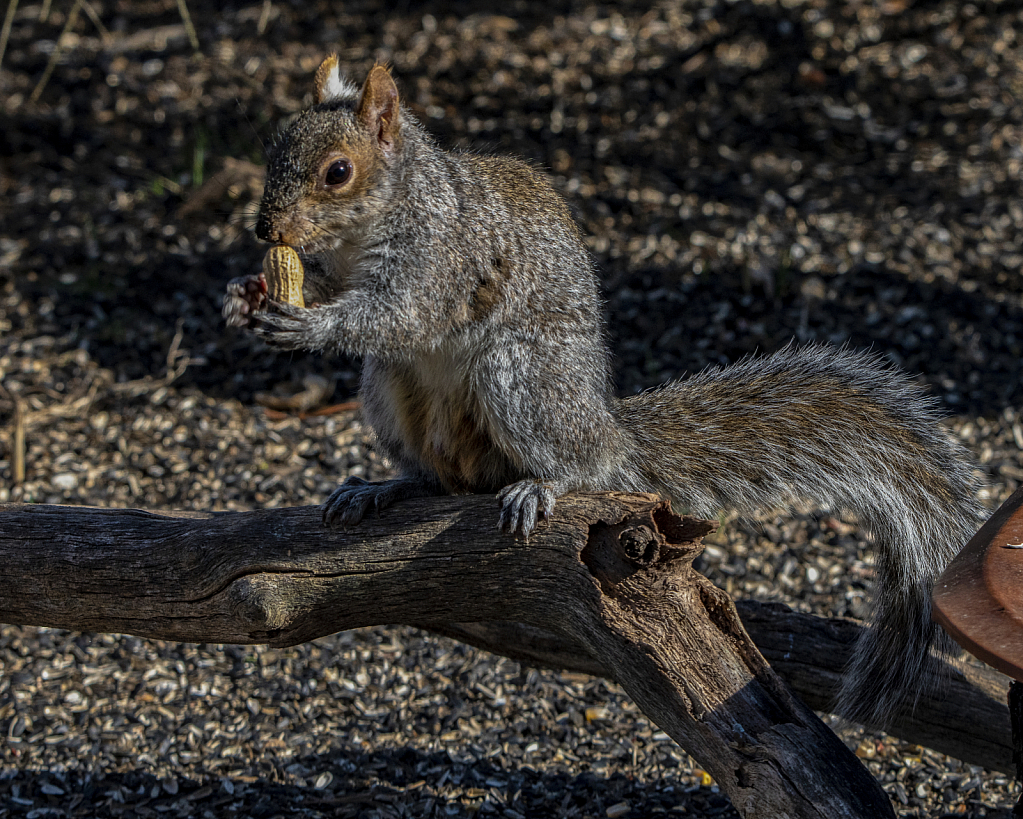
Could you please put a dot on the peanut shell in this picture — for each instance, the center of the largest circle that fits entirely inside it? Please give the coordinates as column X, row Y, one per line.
column 284, row 274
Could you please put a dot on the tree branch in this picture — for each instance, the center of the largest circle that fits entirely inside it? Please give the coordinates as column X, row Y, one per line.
column 610, row 576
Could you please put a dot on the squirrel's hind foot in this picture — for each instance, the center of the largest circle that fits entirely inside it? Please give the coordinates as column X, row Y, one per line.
column 523, row 503
column 348, row 504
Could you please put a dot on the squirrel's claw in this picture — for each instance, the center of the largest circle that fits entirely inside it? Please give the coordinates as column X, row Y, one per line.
column 523, row 503
column 349, row 503
column 286, row 327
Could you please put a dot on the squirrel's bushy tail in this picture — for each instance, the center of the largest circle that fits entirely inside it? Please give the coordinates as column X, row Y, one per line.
column 840, row 430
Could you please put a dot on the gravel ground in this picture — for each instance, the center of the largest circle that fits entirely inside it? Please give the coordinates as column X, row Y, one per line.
column 747, row 172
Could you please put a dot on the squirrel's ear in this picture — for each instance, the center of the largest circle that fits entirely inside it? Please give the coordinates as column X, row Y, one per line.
column 378, row 109
column 330, row 85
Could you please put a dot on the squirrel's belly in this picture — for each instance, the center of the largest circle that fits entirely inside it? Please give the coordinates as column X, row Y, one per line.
column 449, row 441
column 443, row 430
column 459, row 452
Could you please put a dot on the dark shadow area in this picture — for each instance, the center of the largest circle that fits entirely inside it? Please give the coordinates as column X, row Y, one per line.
column 965, row 345
column 755, row 180
column 348, row 782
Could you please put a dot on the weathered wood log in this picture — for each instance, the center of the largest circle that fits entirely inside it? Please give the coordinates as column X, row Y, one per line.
column 611, row 574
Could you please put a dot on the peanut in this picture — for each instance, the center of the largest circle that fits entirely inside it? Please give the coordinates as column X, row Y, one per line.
column 284, row 273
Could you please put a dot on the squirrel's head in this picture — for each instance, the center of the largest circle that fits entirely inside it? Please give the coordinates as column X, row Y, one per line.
column 333, row 168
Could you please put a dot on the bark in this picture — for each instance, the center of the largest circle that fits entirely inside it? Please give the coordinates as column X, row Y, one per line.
column 610, row 576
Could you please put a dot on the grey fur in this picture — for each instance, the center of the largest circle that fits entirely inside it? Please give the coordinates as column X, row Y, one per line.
column 464, row 284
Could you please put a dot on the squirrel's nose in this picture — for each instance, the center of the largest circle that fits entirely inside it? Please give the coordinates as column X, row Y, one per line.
column 265, row 230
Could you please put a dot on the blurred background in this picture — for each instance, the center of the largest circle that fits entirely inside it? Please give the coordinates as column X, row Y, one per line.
column 745, row 173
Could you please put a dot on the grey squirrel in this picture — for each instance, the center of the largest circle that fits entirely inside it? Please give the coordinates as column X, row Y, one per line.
column 463, row 283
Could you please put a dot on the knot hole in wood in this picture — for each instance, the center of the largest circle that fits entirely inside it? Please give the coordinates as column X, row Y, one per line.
column 654, row 538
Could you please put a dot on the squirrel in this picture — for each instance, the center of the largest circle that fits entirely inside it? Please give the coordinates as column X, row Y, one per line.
column 463, row 283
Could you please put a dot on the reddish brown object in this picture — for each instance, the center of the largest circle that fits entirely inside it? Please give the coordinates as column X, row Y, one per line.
column 978, row 599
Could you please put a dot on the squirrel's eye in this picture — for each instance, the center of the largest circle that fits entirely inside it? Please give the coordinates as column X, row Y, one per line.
column 338, row 172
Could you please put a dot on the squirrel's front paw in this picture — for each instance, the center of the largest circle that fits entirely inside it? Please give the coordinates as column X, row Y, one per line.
column 245, row 295
column 522, row 503
column 291, row 328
